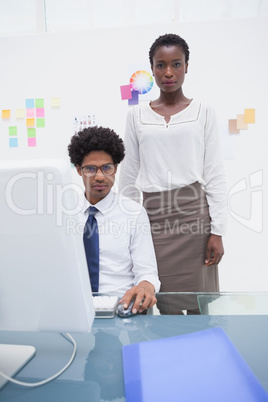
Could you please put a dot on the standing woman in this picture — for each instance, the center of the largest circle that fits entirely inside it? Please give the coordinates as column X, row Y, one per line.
column 173, row 157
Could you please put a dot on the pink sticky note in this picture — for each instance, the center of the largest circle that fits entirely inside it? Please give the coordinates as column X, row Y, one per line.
column 126, row 92
column 32, row 142
column 233, row 127
column 29, row 112
column 40, row 112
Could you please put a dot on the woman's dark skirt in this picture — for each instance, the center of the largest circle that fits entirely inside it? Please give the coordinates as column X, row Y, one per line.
column 180, row 225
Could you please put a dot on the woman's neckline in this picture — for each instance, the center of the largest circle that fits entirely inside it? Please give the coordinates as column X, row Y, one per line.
column 168, row 118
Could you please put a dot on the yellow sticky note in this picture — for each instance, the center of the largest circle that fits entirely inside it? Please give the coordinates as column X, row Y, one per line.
column 20, row 113
column 241, row 125
column 5, row 114
column 249, row 116
column 55, row 102
column 30, row 122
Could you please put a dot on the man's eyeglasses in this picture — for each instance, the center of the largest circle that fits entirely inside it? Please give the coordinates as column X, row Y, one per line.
column 90, row 170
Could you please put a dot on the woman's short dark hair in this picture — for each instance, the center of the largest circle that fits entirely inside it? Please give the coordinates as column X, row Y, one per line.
column 96, row 139
column 169, row 40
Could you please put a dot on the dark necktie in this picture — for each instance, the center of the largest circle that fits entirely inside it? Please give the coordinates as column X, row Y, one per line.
column 91, row 243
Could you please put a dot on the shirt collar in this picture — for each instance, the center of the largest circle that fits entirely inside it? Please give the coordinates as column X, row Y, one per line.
column 104, row 205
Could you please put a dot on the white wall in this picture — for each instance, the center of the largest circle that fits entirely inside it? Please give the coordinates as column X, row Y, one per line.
column 228, row 68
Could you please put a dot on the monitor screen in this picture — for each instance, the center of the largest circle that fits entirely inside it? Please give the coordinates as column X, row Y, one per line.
column 44, row 281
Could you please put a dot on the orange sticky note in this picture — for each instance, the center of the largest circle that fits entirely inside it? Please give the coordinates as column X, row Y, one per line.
column 30, row 122
column 249, row 116
column 241, row 125
column 5, row 114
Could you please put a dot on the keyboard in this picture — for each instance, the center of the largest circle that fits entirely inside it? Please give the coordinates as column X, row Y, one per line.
column 105, row 306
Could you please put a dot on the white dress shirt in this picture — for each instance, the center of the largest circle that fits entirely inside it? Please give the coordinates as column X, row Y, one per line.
column 127, row 254
column 163, row 156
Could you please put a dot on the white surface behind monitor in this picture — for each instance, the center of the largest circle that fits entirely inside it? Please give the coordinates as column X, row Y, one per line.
column 44, row 282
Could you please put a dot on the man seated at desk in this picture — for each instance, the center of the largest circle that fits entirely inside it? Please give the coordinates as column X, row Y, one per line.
column 117, row 237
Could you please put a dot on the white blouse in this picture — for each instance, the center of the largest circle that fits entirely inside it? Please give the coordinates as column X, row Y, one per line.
column 163, row 156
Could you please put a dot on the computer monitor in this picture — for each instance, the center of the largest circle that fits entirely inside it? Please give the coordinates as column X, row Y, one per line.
column 44, row 281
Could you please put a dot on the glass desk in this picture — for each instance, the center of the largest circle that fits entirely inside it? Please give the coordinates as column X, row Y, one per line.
column 222, row 303
column 97, row 372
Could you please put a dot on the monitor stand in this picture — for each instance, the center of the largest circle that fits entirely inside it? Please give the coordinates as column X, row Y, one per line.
column 13, row 358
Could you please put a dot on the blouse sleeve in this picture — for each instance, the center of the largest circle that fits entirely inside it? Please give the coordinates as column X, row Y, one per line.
column 214, row 176
column 131, row 164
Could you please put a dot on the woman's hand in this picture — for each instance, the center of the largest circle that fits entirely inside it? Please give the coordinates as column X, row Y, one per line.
column 214, row 251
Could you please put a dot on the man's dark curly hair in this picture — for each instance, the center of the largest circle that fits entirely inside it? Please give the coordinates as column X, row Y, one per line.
column 96, row 139
column 169, row 40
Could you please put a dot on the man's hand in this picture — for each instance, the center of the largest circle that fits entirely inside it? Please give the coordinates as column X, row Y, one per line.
column 144, row 293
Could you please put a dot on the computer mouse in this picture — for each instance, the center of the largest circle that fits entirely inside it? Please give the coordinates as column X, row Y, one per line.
column 125, row 312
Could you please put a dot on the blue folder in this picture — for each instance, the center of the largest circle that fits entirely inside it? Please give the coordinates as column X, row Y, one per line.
column 200, row 366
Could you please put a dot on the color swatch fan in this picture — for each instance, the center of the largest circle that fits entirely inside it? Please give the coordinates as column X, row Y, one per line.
column 141, row 81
